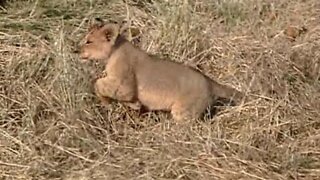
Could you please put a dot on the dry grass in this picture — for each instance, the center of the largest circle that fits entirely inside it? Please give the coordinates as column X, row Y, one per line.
column 52, row 126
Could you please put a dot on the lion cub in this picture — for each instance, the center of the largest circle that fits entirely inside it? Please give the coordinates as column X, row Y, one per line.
column 134, row 77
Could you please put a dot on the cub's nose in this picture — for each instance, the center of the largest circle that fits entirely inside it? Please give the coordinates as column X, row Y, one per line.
column 77, row 51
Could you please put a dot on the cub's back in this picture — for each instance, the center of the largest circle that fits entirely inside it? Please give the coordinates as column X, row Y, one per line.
column 169, row 75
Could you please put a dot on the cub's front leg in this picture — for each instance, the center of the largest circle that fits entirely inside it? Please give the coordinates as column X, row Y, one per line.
column 98, row 89
column 108, row 88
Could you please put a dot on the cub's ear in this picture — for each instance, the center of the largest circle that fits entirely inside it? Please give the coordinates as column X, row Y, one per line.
column 111, row 32
column 95, row 24
column 93, row 27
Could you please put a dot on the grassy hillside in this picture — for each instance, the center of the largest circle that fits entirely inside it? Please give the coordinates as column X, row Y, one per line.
column 53, row 127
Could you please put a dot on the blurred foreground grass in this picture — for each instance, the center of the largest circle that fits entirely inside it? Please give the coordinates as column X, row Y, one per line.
column 52, row 126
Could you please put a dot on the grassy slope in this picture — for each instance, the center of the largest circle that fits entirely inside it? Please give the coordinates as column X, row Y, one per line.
column 52, row 127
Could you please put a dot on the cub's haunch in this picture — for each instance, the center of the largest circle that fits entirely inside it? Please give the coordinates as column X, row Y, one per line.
column 137, row 79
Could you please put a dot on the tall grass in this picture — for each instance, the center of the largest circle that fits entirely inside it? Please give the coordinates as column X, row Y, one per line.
column 53, row 127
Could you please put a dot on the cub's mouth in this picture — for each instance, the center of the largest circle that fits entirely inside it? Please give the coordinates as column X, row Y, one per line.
column 84, row 56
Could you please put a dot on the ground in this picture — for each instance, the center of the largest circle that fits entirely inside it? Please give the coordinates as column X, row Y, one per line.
column 53, row 127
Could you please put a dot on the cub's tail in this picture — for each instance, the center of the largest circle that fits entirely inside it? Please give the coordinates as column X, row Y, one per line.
column 225, row 92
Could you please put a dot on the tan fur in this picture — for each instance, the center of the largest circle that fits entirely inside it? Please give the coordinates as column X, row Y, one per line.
column 134, row 77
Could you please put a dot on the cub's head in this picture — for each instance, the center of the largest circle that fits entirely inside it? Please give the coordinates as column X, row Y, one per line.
column 99, row 41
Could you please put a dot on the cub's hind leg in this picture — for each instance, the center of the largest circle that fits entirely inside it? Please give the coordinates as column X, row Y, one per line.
column 191, row 108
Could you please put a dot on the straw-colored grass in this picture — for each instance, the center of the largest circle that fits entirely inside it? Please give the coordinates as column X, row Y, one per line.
column 53, row 127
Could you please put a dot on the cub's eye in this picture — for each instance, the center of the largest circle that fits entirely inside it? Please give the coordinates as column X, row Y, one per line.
column 88, row 42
